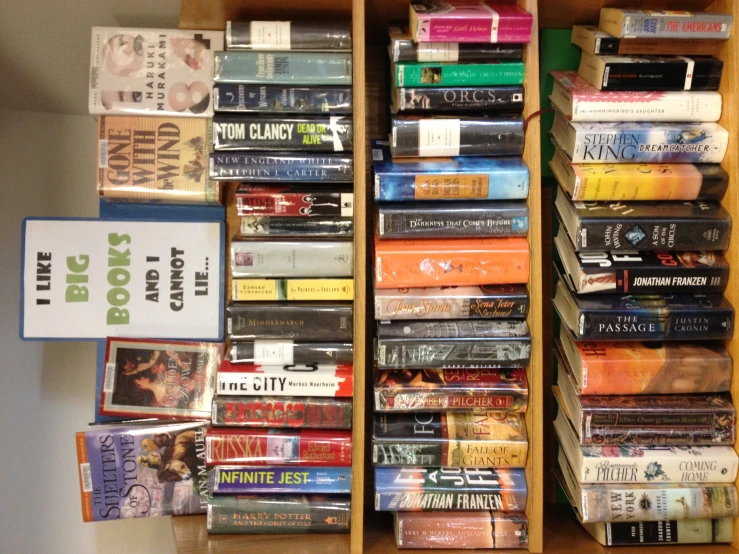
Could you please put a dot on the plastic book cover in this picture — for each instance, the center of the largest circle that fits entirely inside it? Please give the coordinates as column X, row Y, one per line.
column 281, row 99
column 276, row 166
column 690, row 531
column 422, row 489
column 594, row 41
column 317, row 321
column 146, row 470
column 160, row 379
column 442, row 74
column 292, row 258
column 430, row 100
column 294, row 201
column 404, row 49
column 289, row 380
column 280, row 352
column 432, row 390
column 280, row 480
column 280, row 412
column 315, row 226
column 152, row 71
column 253, row 290
column 283, row 68
column 665, row 24
column 289, row 35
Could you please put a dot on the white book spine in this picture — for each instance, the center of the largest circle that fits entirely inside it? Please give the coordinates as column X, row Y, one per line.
column 699, row 106
column 258, row 384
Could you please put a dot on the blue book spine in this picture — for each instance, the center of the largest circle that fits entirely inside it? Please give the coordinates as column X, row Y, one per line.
column 266, row 167
column 286, row 99
column 457, row 178
column 265, row 480
column 283, row 68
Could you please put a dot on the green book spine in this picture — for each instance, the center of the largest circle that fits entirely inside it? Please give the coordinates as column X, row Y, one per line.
column 264, row 514
column 452, row 75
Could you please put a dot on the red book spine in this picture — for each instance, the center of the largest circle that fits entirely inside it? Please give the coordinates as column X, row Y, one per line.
column 264, row 447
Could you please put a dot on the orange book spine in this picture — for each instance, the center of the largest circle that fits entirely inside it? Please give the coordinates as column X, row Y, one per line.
column 82, row 462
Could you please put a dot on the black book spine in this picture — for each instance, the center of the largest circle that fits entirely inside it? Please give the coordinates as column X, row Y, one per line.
column 452, row 353
column 606, row 46
column 670, row 437
column 301, row 134
column 652, row 235
column 307, row 321
column 409, row 51
column 275, row 98
column 664, row 75
column 460, row 99
column 290, row 353
column 402, row 453
column 304, row 35
column 263, row 167
column 497, row 219
column 501, row 136
column 296, row 226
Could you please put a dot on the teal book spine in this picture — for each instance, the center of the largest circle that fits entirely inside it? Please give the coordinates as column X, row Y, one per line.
column 434, row 74
column 284, row 68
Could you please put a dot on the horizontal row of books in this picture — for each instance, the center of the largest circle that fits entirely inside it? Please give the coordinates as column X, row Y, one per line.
column 645, row 423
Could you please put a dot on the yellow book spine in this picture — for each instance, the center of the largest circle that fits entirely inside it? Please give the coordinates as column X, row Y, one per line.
column 255, row 290
column 320, row 289
column 627, row 182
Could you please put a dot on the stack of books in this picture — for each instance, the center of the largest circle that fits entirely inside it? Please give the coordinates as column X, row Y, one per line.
column 646, row 425
column 451, row 262
column 281, row 435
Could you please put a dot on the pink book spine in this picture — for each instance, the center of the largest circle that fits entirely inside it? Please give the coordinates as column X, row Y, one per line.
column 502, row 24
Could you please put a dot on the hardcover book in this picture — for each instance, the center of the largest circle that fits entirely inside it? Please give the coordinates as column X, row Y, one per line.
column 249, row 447
column 460, row 219
column 315, row 226
column 294, row 201
column 651, row 73
column 404, row 49
column 457, row 178
column 446, row 136
column 665, row 24
column 689, row 531
column 144, row 470
column 282, row 99
column 485, row 301
column 289, row 35
column 451, row 262
column 152, row 71
column 578, row 100
column 644, row 226
column 641, row 272
column 159, row 379
column 276, row 166
column 612, row 368
column 440, row 21
column 317, row 321
column 155, row 159
column 253, row 290
column 450, row 439
column 441, row 74
column 280, row 480
column 260, row 514
column 283, row 68
column 457, row 99
column 655, row 317
column 316, row 133
column 625, row 182
column 476, row 343
column 422, row 489
column 282, row 352
column 624, row 463
column 640, row 142
column 432, row 390
column 279, row 412
column 632, row 502
column 98, row 278
column 291, row 258
column 594, row 41
column 461, row 530
column 289, row 380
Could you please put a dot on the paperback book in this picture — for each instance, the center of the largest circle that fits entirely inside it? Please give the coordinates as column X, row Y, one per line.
column 262, row 167
column 442, row 74
column 289, row 380
column 283, row 68
column 294, row 201
column 279, row 412
column 280, row 480
column 282, row 99
column 257, row 258
column 289, row 35
column 594, row 41
column 404, row 49
column 459, row 99
column 315, row 226
column 665, row 24
column 254, row 290
column 316, row 321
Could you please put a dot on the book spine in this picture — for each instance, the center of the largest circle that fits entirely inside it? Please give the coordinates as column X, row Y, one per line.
column 695, row 25
column 287, row 352
column 259, row 448
column 283, row 322
column 694, row 531
column 509, row 501
column 395, row 221
column 645, row 503
column 271, row 99
column 294, row 204
column 611, row 234
column 679, row 74
column 458, row 530
column 658, row 437
column 283, row 68
column 276, row 480
column 255, row 258
column 300, row 134
column 465, row 75
column 278, row 514
column 449, row 453
column 288, row 35
column 675, row 466
column 666, row 47
column 277, row 412
column 647, row 106
column 264, row 167
column 490, row 26
column 255, row 290
column 457, row 137
column 459, row 99
column 399, row 353
column 405, row 305
column 591, row 41
column 487, row 399
column 409, row 51
column 298, row 383
column 316, row 226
